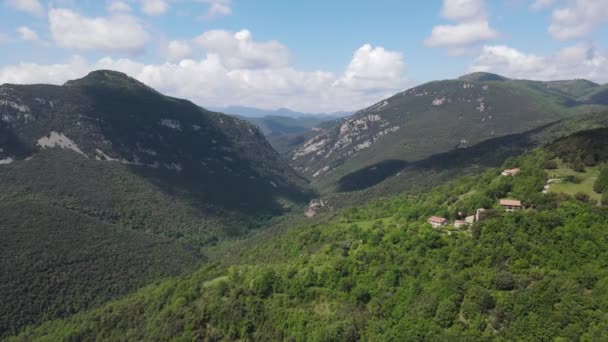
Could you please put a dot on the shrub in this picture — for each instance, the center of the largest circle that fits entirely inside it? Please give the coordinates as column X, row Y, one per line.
column 505, row 281
column 550, row 165
column 578, row 166
column 601, row 184
column 572, row 179
column 582, row 197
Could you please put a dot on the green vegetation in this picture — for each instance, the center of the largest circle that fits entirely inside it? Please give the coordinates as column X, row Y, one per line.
column 431, row 119
column 601, row 184
column 572, row 182
column 394, row 177
column 56, row 262
column 286, row 133
column 380, row 272
column 142, row 185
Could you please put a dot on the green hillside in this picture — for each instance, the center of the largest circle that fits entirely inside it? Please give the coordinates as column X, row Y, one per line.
column 380, row 272
column 143, row 184
column 394, row 177
column 434, row 118
column 56, row 262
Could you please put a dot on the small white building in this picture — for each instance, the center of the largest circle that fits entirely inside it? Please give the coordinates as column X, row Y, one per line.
column 511, row 205
column 510, row 172
column 437, row 221
column 475, row 218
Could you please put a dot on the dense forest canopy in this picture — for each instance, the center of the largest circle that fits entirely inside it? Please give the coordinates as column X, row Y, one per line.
column 380, row 272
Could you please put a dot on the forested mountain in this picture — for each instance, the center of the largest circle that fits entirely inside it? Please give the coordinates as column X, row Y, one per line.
column 438, row 117
column 286, row 133
column 393, row 177
column 106, row 185
column 381, row 272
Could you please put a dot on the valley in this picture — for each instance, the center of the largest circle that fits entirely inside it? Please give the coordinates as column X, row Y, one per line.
column 149, row 217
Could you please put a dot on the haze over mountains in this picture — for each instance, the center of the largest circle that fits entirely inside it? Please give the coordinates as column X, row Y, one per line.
column 251, row 112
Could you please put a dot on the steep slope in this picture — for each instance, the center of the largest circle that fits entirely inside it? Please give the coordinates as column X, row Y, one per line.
column 381, row 273
column 207, row 158
column 285, row 133
column 433, row 118
column 142, row 183
column 55, row 262
column 393, row 177
column 598, row 95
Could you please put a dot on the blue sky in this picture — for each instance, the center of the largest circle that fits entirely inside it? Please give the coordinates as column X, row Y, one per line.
column 306, row 55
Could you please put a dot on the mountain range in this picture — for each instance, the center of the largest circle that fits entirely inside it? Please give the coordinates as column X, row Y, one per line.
column 104, row 175
column 251, row 112
column 131, row 215
column 438, row 117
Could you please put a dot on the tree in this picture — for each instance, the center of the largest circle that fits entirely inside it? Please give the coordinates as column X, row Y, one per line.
column 505, row 281
column 601, row 184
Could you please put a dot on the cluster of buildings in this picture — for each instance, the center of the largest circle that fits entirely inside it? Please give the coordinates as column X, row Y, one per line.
column 509, row 205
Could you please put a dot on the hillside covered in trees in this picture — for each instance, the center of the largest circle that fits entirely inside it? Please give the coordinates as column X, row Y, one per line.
column 380, row 272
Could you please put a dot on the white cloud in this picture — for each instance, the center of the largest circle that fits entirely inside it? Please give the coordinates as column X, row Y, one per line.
column 462, row 34
column 118, row 6
column 374, row 69
column 578, row 18
column 239, row 50
column 538, row 5
column 218, row 7
column 178, row 49
column 463, row 9
column 214, row 80
column 30, row 6
column 118, row 33
column 28, row 34
column 154, row 7
column 471, row 26
column 578, row 61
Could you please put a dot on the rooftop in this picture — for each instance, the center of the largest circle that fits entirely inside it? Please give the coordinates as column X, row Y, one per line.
column 437, row 219
column 510, row 203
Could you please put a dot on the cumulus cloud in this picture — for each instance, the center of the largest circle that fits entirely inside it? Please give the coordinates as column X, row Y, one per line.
column 118, row 33
column 30, row 6
column 28, row 34
column 154, row 7
column 118, row 6
column 178, row 49
column 578, row 61
column 578, row 18
column 215, row 80
column 460, row 35
column 239, row 50
column 374, row 69
column 463, row 9
column 471, row 26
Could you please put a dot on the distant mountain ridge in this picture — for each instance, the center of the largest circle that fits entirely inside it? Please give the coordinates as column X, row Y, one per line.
column 437, row 117
column 251, row 112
